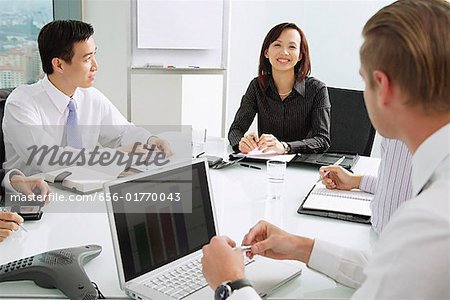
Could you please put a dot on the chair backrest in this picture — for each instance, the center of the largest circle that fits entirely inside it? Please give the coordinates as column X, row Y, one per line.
column 4, row 93
column 351, row 129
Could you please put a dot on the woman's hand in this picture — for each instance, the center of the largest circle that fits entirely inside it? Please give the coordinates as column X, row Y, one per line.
column 248, row 142
column 268, row 142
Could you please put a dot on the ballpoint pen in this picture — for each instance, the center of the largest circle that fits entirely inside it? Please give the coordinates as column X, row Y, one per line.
column 337, row 163
column 250, row 166
column 244, row 248
column 200, row 154
column 20, row 225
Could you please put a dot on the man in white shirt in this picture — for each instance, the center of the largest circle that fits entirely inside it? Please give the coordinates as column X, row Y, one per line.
column 390, row 188
column 411, row 260
column 41, row 114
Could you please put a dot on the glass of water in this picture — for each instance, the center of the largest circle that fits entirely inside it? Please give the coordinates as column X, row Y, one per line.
column 276, row 171
column 198, row 141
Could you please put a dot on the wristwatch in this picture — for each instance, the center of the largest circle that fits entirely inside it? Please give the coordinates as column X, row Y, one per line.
column 286, row 147
column 225, row 290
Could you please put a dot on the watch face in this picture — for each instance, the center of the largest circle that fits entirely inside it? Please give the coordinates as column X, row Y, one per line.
column 222, row 292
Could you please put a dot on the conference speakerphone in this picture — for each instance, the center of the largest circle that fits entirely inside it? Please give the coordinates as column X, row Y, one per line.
column 61, row 269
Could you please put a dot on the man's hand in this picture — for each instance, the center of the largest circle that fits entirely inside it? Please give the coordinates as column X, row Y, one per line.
column 221, row 263
column 248, row 142
column 339, row 178
column 268, row 142
column 270, row 241
column 27, row 186
column 161, row 145
column 8, row 224
column 135, row 148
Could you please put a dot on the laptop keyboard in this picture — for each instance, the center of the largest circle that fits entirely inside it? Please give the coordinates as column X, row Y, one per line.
column 181, row 281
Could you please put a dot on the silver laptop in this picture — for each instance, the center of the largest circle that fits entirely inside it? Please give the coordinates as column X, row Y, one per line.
column 157, row 244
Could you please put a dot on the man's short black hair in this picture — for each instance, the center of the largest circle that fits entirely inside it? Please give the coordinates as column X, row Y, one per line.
column 56, row 39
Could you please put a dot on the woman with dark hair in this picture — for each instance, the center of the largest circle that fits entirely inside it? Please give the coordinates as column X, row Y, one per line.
column 293, row 109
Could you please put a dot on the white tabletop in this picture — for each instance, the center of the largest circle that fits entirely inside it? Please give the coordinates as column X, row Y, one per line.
column 240, row 197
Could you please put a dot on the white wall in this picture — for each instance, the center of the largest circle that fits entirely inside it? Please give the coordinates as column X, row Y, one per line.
column 112, row 25
column 113, row 36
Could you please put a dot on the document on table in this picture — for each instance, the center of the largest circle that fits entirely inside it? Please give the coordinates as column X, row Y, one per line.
column 270, row 155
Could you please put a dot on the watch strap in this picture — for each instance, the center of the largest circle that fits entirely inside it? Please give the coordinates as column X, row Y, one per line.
column 286, row 147
column 238, row 284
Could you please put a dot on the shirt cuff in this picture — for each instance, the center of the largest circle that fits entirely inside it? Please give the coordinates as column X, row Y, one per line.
column 234, row 138
column 6, row 183
column 368, row 184
column 326, row 258
column 245, row 293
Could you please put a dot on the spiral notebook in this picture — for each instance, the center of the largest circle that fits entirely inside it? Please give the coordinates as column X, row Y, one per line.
column 351, row 205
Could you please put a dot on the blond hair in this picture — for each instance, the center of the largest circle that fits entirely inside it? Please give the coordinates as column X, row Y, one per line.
column 409, row 40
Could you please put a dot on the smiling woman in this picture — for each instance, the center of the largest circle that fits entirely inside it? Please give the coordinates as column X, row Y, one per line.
column 293, row 108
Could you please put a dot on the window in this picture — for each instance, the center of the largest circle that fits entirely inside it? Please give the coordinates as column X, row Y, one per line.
column 20, row 22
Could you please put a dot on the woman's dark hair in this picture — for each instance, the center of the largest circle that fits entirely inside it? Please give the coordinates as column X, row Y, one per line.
column 56, row 39
column 301, row 69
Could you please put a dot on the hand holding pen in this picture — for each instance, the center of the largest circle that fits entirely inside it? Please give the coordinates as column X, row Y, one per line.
column 325, row 174
column 9, row 222
column 222, row 261
column 336, row 177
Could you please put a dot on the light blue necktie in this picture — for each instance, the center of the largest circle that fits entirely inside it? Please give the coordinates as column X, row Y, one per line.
column 72, row 129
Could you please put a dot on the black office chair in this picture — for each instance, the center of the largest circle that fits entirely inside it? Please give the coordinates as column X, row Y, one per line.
column 351, row 129
column 4, row 93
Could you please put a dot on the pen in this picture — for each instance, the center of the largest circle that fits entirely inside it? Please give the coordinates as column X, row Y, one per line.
column 200, row 154
column 244, row 248
column 20, row 225
column 250, row 166
column 337, row 163
column 194, row 67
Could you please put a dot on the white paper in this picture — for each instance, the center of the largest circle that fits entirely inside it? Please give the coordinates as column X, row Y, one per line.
column 272, row 155
column 353, row 202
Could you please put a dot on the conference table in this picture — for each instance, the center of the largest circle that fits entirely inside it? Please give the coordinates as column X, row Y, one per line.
column 240, row 198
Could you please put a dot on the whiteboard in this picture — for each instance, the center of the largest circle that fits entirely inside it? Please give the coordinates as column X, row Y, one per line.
column 179, row 24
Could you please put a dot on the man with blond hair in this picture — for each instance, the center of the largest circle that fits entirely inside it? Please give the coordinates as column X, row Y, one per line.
column 405, row 64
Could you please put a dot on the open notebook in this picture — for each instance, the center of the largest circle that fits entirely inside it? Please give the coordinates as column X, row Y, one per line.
column 346, row 205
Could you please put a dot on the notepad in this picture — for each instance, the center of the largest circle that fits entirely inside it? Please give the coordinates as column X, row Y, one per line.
column 80, row 179
column 348, row 205
column 258, row 155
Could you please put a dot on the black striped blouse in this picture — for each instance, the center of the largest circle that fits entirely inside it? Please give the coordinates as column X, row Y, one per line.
column 302, row 119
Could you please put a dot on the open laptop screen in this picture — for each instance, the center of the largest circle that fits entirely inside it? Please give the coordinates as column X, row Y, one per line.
column 152, row 239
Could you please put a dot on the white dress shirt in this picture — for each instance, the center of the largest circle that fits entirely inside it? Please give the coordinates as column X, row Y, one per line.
column 393, row 184
column 411, row 260
column 36, row 115
column 6, row 182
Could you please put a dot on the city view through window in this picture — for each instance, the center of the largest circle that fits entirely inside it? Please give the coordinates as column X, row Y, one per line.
column 20, row 22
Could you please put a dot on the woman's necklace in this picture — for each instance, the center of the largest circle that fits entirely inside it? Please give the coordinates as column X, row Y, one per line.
column 284, row 94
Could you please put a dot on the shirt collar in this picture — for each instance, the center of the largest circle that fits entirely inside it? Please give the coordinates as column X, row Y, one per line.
column 298, row 86
column 59, row 99
column 428, row 157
